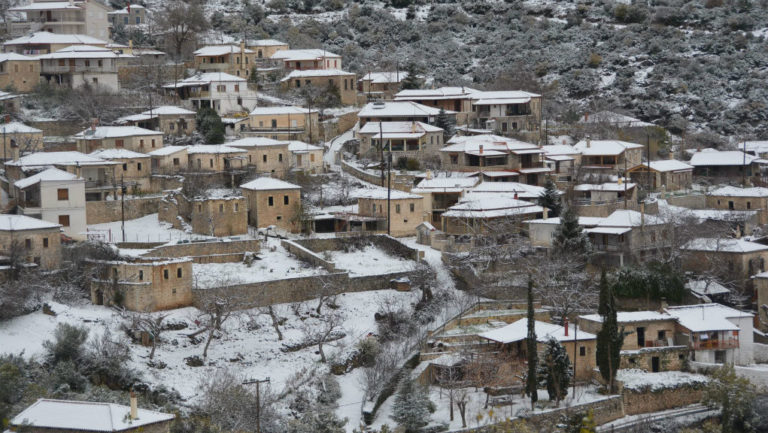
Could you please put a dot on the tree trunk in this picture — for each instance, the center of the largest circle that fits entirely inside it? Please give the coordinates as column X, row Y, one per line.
column 463, row 412
column 322, row 354
column 450, row 402
column 275, row 323
column 319, row 305
column 152, row 352
column 208, row 343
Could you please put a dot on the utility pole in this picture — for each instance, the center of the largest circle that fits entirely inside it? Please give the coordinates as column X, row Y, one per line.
column 648, row 161
column 743, row 167
column 625, row 178
column 389, row 190
column 258, row 399
column 122, row 205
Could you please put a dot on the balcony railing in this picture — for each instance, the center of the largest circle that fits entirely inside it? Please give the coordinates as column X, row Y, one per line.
column 714, row 344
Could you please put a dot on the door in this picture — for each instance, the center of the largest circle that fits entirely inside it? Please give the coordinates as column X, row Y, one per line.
column 298, row 160
column 655, row 364
column 719, row 356
column 640, row 337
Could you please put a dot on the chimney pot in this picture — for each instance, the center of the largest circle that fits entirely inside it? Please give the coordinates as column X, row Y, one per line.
column 134, row 406
column 565, row 325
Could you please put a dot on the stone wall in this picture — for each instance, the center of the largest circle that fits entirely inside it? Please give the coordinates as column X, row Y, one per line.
column 760, row 352
column 97, row 212
column 756, row 375
column 654, row 401
column 402, row 182
column 162, row 182
column 198, row 250
column 387, row 243
column 307, row 255
column 697, row 201
column 671, row 358
column 603, row 411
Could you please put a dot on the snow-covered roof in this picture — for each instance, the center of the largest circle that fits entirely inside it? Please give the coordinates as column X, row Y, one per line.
column 102, row 132
column 47, row 6
column 124, row 11
column 265, row 43
column 518, row 331
column 300, row 146
column 57, row 158
column 5, row 57
column 398, row 109
column 167, row 150
column 632, row 316
column 381, row 194
column 220, row 50
column 521, row 189
column 604, row 147
column 445, row 184
column 502, row 97
column 435, row 94
column 719, row 158
column 629, row 218
column 755, row 146
column 205, row 78
column 266, row 111
column 18, row 128
column 168, row 110
column 309, row 73
column 559, row 149
column 492, row 145
column 213, row 148
column 384, row 77
column 256, row 142
column 397, row 129
column 732, row 191
column 85, row 416
column 667, row 165
column 80, row 52
column 491, row 205
column 309, row 54
column 10, row 222
column 583, row 221
column 728, row 245
column 117, row 154
column 55, row 38
column 614, row 118
column 706, row 287
column 608, row 186
column 268, row 184
column 706, row 317
column 49, row 175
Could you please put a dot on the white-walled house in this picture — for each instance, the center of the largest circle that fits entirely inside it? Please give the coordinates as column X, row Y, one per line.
column 223, row 92
column 55, row 196
column 78, row 65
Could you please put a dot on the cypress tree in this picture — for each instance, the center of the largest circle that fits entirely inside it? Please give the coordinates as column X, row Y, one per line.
column 413, row 79
column 555, row 370
column 531, row 383
column 569, row 235
column 610, row 338
column 550, row 199
column 442, row 121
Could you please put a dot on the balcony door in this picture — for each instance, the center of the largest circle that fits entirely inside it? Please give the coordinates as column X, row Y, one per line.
column 640, row 337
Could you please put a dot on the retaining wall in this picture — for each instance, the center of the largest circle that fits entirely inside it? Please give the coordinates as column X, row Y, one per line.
column 384, row 242
column 208, row 252
column 654, row 401
column 97, row 212
column 307, row 255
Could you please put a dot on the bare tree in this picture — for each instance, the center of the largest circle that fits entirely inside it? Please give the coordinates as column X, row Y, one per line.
column 181, row 22
column 216, row 307
column 326, row 293
column 146, row 323
column 563, row 282
column 329, row 329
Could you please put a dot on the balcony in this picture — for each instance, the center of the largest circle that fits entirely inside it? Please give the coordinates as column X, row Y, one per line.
column 77, row 69
column 714, row 344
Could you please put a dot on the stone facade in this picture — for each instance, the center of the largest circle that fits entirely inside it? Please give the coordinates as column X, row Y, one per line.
column 278, row 207
column 97, row 212
column 727, row 202
column 654, row 401
column 145, row 284
column 216, row 215
column 273, row 159
column 671, row 358
column 40, row 246
column 300, row 125
column 135, row 143
column 20, row 74
column 343, row 81
column 405, row 213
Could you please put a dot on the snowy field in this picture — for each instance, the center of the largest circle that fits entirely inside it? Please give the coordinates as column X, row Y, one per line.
column 145, row 229
column 369, row 261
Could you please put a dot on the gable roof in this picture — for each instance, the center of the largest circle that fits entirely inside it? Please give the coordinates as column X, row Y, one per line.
column 85, row 416
column 728, row 245
column 384, row 77
column 521, row 189
column 255, row 142
column 101, row 132
column 268, row 184
column 10, row 222
column 518, row 331
column 435, row 94
column 167, row 150
column 213, row 148
column 309, row 73
column 706, row 317
column 721, row 158
column 205, row 78
column 628, row 218
column 492, row 145
column 220, row 50
column 117, row 154
column 291, row 109
column 42, row 159
column 502, row 97
column 55, row 38
column 51, row 174
column 397, row 129
column 81, row 52
column 491, row 205
column 306, row 54
column 18, row 128
column 732, row 191
column 667, row 165
column 398, row 109
column 605, row 147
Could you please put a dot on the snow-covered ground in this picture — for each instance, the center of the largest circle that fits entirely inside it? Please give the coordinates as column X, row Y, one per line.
column 369, row 261
column 639, row 380
column 145, row 229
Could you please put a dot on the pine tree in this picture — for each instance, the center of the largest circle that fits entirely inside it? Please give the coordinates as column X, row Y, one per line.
column 531, row 385
column 413, row 80
column 555, row 370
column 550, row 199
column 411, row 407
column 442, row 121
column 209, row 124
column 569, row 235
column 610, row 338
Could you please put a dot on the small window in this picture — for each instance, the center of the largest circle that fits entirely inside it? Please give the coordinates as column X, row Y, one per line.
column 413, row 207
column 271, row 201
column 749, row 205
column 87, row 63
column 138, row 166
column 237, row 87
column 119, row 142
column 178, row 273
column 285, row 200
column 221, row 208
column 582, row 351
column 153, row 140
column 165, row 273
column 27, row 243
column 125, row 167
column 210, row 162
column 141, row 142
column 662, row 335
column 199, row 208
column 175, row 161
column 397, row 208
column 95, row 80
column 64, row 220
column 45, row 242
column 237, row 207
column 141, row 275
column 264, row 158
column 312, row 157
column 280, row 157
column 279, row 217
column 62, row 193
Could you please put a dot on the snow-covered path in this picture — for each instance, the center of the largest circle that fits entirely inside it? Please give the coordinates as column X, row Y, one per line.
column 335, row 146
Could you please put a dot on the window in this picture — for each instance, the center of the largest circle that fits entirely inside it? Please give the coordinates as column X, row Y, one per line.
column 264, row 158
column 119, row 142
column 178, row 273
column 171, row 126
column 237, row 87
column 285, row 200
column 271, row 201
column 153, row 142
column 64, row 220
column 662, row 335
column 141, row 275
column 210, row 162
column 413, row 207
column 141, row 142
column 274, row 123
column 397, row 208
column 279, row 217
column 749, row 205
column 582, row 351
column 730, row 205
column 27, row 243
column 345, row 84
column 175, row 161
column 95, row 80
column 199, row 208
column 125, row 167
column 454, row 159
column 87, row 63
column 138, row 20
column 61, row 62
column 280, row 157
column 138, row 166
column 298, row 83
column 221, row 208
column 45, row 242
column 221, row 88
column 237, row 207
column 312, row 157
column 62, row 193
column 165, row 273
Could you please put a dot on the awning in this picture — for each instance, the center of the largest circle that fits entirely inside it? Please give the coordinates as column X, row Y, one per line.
column 609, row 230
column 535, row 170
column 504, row 101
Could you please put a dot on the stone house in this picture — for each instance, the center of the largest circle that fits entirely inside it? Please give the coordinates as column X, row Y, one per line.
column 143, row 283
column 133, row 169
column 732, row 198
column 507, row 112
column 305, row 156
column 669, row 175
column 479, row 213
column 760, row 283
column 284, row 123
column 39, row 240
column 266, row 48
column 168, row 119
column 542, row 232
column 47, row 415
column 78, row 65
column 273, row 202
column 328, row 79
column 19, row 72
column 220, row 91
column 626, row 237
column 55, row 196
column 450, row 99
column 64, row 18
column 130, row 138
column 265, row 155
column 490, row 153
column 219, row 157
column 381, row 85
column 129, row 16
column 216, row 212
column 232, row 59
column 169, row 160
column 729, row 164
column 307, row 59
column 608, row 156
column 441, row 193
column 600, row 200
column 562, row 159
column 19, row 139
column 406, row 210
column 512, row 339
column 416, row 140
column 45, row 42
column 731, row 260
column 399, row 111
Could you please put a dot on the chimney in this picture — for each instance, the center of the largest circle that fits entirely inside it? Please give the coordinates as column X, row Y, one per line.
column 663, row 305
column 429, row 174
column 565, row 325
column 545, row 214
column 515, row 195
column 586, row 116
column 94, row 123
column 130, row 46
column 134, row 406
column 480, row 149
column 589, row 141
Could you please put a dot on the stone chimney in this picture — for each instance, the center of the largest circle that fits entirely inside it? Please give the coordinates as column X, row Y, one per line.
column 134, row 406
column 663, row 304
column 130, row 46
column 94, row 123
column 545, row 213
column 589, row 141
column 480, row 150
